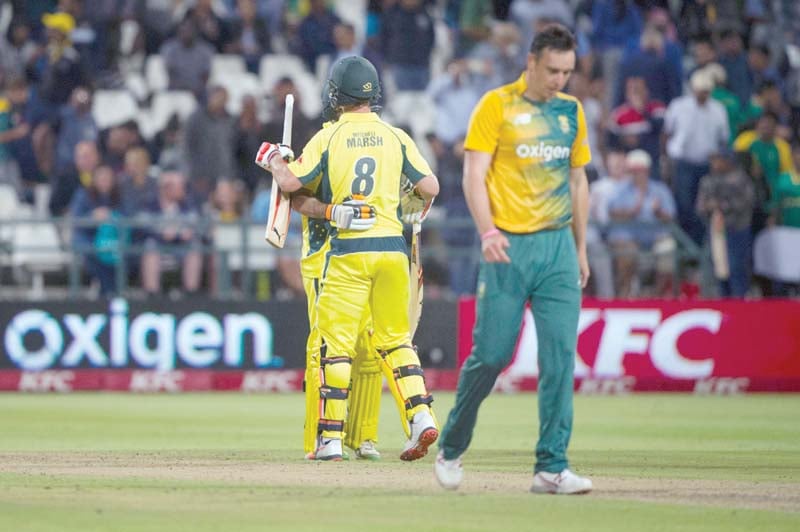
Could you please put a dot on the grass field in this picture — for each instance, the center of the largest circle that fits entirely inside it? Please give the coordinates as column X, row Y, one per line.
column 231, row 462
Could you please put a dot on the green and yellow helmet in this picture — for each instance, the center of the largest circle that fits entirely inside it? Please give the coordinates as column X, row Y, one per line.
column 353, row 81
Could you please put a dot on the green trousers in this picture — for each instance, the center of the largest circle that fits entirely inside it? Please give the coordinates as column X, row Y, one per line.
column 543, row 271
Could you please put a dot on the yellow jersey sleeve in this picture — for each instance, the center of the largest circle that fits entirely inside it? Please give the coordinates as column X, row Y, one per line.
column 483, row 132
column 784, row 156
column 308, row 167
column 581, row 154
column 744, row 140
column 415, row 167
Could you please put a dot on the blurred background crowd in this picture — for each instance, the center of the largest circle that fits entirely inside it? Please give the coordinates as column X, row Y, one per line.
column 128, row 130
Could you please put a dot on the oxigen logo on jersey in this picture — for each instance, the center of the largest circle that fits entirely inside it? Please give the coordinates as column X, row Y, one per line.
column 542, row 151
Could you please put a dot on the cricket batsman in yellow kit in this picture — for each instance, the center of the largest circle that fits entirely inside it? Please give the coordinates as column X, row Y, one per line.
column 362, row 156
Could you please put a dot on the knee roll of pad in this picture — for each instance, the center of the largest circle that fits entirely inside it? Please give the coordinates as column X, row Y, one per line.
column 333, row 391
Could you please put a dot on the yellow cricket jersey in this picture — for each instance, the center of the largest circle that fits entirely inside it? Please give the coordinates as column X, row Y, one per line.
column 315, row 242
column 360, row 155
column 533, row 146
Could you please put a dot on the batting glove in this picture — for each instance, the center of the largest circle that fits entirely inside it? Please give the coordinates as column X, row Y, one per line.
column 268, row 150
column 354, row 214
column 414, row 208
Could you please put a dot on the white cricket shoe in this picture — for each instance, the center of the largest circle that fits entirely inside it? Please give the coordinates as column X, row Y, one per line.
column 329, row 450
column 448, row 472
column 367, row 451
column 423, row 434
column 564, row 483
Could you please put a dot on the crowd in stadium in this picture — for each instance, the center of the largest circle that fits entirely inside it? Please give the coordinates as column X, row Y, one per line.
column 148, row 109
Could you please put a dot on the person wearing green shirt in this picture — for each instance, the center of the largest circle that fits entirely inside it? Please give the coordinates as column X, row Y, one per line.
column 786, row 198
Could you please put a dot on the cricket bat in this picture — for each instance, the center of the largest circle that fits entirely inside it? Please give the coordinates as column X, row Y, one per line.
column 719, row 254
column 415, row 282
column 280, row 204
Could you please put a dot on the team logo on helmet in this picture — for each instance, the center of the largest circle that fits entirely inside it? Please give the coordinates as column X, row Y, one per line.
column 366, row 87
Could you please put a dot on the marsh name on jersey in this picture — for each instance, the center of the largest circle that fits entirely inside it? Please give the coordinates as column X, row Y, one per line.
column 364, row 139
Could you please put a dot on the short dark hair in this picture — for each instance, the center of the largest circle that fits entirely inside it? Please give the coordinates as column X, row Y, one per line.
column 554, row 36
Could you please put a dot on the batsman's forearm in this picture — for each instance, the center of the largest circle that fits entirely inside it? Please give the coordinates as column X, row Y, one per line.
column 309, row 206
column 284, row 177
column 579, row 188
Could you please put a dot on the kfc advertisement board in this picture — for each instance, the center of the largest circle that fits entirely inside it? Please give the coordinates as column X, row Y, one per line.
column 699, row 346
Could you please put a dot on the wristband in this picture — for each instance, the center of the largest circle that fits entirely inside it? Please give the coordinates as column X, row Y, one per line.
column 329, row 211
column 490, row 233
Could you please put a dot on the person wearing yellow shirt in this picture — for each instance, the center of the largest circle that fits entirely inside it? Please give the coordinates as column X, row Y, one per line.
column 526, row 188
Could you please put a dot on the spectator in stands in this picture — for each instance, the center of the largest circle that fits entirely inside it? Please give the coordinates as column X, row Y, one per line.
column 733, row 59
column 207, row 17
column 96, row 237
column 703, row 53
column 454, row 94
column 315, row 34
column 637, row 123
column 248, row 139
column 528, row 16
column 175, row 240
column 116, row 141
column 58, row 70
column 228, row 201
column 19, row 50
column 644, row 206
column 725, row 203
column 187, row 60
column 601, row 192
column 9, row 132
column 138, row 187
column 590, row 88
column 760, row 66
column 696, row 126
column 407, row 37
column 472, row 26
column 68, row 180
column 303, row 128
column 614, row 22
column 785, row 204
column 694, row 22
column 208, row 144
column 650, row 62
column 721, row 93
column 344, row 37
column 29, row 138
column 768, row 98
column 166, row 148
column 767, row 156
column 250, row 36
column 75, row 124
column 502, row 52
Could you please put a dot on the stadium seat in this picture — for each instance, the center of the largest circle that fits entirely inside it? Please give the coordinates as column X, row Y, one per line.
column 155, row 72
column 167, row 103
column 35, row 250
column 276, row 66
column 113, row 107
column 239, row 85
column 413, row 109
column 226, row 65
column 230, row 240
column 9, row 204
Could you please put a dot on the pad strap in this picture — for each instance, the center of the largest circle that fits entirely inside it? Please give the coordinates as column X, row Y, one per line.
column 408, row 371
column 334, row 360
column 417, row 400
column 330, row 425
column 328, row 392
column 388, row 352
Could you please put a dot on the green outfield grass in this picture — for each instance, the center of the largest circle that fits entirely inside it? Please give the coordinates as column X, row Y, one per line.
column 232, row 462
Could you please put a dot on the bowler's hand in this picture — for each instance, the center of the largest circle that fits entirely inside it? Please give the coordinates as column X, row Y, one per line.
column 494, row 248
column 583, row 267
